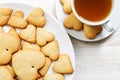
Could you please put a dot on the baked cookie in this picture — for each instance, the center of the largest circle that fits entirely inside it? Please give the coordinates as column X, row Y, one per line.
column 51, row 50
column 63, row 65
column 92, row 31
column 43, row 36
column 17, row 20
column 66, row 6
column 5, row 74
column 28, row 34
column 7, row 47
column 54, row 77
column 11, row 70
column 45, row 68
column 27, row 45
column 72, row 22
column 36, row 17
column 5, row 14
column 26, row 63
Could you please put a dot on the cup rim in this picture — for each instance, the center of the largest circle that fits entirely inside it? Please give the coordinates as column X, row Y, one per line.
column 95, row 23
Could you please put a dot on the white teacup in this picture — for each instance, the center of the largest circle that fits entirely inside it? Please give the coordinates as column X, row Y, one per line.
column 105, row 22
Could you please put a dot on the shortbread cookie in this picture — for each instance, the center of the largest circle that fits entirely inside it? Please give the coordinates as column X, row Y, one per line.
column 5, row 74
column 36, row 17
column 26, row 46
column 13, row 32
column 17, row 20
column 66, row 6
column 92, row 31
column 45, row 68
column 26, row 63
column 63, row 65
column 54, row 77
column 28, row 34
column 8, row 45
column 72, row 22
column 51, row 50
column 11, row 70
column 44, row 36
column 5, row 14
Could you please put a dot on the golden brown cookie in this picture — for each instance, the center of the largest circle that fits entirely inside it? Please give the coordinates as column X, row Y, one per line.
column 26, row 64
column 54, row 77
column 43, row 36
column 51, row 50
column 17, row 20
column 27, row 45
column 5, row 74
column 66, row 6
column 45, row 68
column 36, row 17
column 63, row 65
column 92, row 31
column 72, row 22
column 5, row 14
column 28, row 34
column 8, row 45
column 11, row 70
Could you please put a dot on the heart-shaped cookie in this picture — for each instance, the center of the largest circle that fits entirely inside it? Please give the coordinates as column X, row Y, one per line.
column 5, row 73
column 72, row 22
column 45, row 68
column 51, row 50
column 26, row 45
column 54, row 77
column 17, row 20
column 28, row 34
column 63, row 65
column 36, row 17
column 26, row 63
column 43, row 36
column 7, row 47
column 66, row 6
column 5, row 14
column 92, row 31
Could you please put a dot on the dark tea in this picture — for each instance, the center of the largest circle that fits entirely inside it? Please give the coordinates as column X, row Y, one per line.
column 93, row 10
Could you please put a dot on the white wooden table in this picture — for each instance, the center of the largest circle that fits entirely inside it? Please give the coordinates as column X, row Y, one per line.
column 94, row 61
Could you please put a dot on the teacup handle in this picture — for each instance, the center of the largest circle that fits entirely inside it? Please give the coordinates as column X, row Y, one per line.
column 108, row 26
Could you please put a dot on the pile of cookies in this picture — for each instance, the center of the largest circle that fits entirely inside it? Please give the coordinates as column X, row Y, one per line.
column 27, row 54
column 71, row 22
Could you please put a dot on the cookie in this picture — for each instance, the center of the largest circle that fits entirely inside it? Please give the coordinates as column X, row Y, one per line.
column 92, row 31
column 63, row 65
column 45, row 68
column 66, row 6
column 5, row 74
column 26, row 64
column 51, row 50
column 13, row 32
column 72, row 22
column 8, row 47
column 28, row 34
column 54, row 77
column 43, row 36
column 17, row 20
column 5, row 14
column 28, row 46
column 36, row 17
column 11, row 70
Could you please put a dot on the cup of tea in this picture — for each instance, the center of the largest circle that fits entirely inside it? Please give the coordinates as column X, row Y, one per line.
column 95, row 12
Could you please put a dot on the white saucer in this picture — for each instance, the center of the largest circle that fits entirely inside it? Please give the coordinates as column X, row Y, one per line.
column 79, row 34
